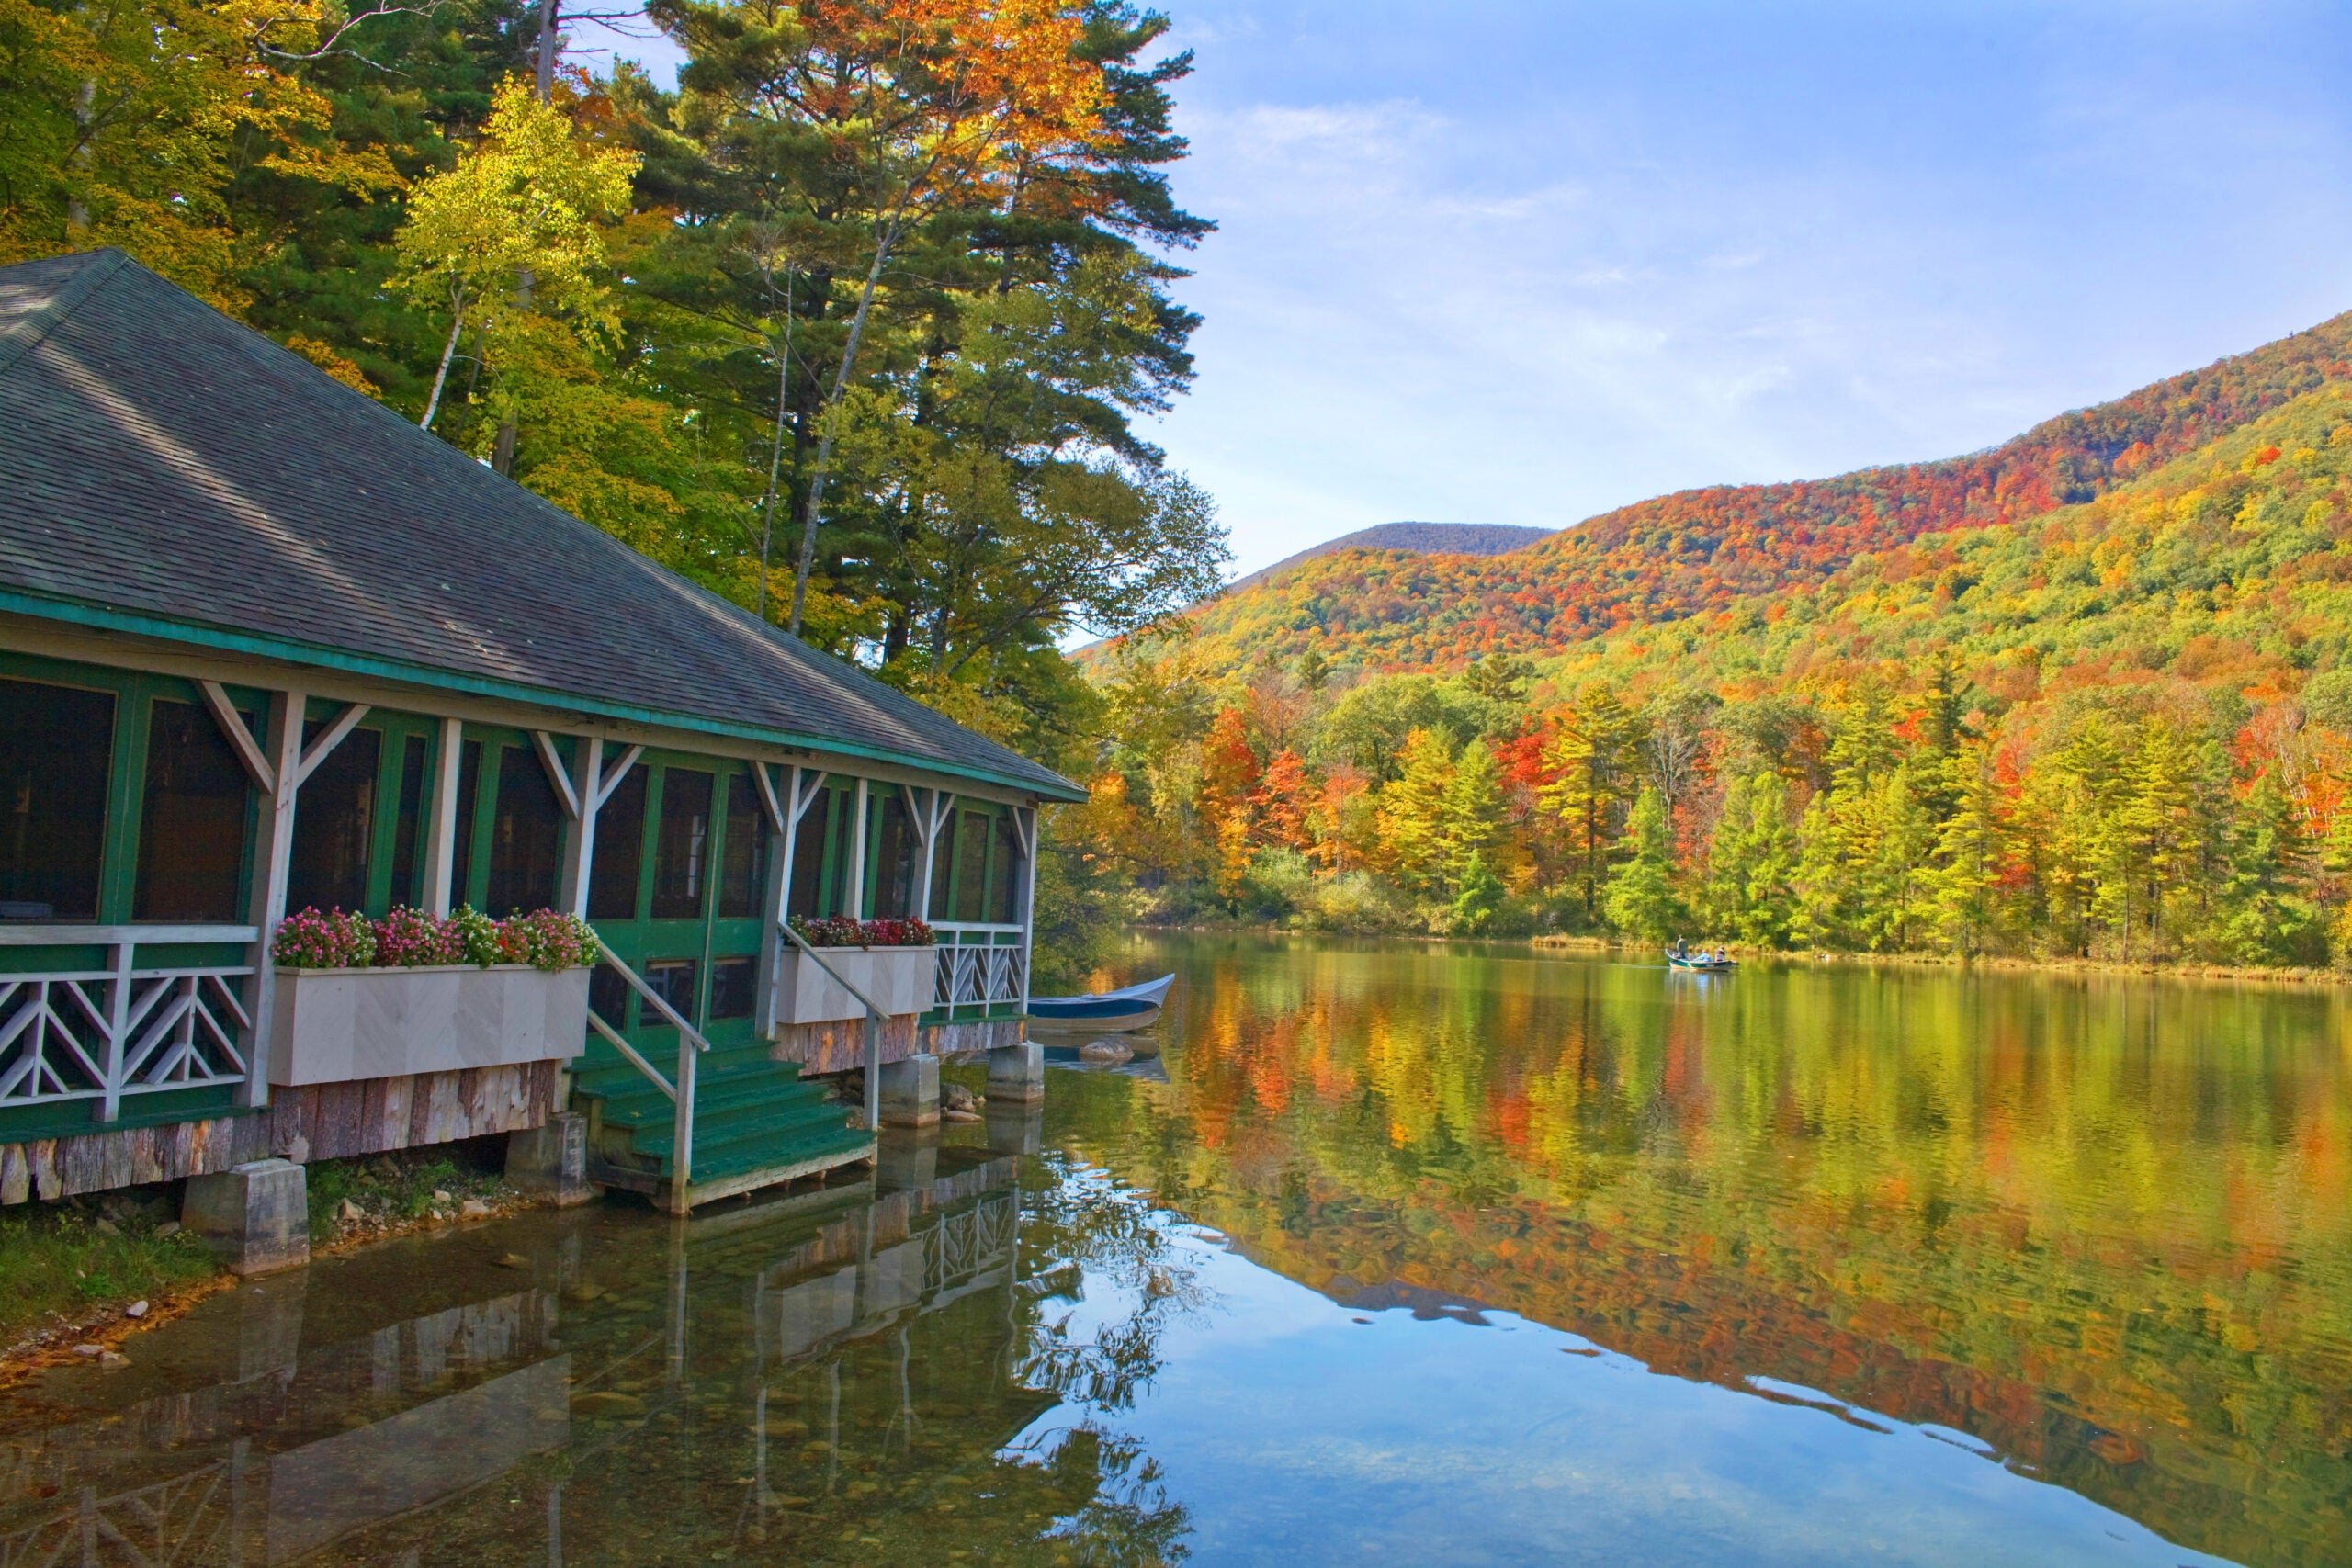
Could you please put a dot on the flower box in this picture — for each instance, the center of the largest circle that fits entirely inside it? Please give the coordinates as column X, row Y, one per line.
column 897, row 979
column 335, row 1025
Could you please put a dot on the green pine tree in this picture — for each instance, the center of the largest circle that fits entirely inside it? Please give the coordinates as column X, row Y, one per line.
column 1641, row 900
column 1480, row 896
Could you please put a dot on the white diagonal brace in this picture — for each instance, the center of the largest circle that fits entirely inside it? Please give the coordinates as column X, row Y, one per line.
column 241, row 739
column 613, row 775
column 807, row 786
column 318, row 750
column 768, row 801
column 557, row 778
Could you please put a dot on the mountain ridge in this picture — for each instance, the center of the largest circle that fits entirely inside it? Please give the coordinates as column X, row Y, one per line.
column 1416, row 538
column 1700, row 549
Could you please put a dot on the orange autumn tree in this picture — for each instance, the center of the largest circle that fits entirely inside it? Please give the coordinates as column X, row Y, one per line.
column 1230, row 772
column 1285, row 799
column 927, row 104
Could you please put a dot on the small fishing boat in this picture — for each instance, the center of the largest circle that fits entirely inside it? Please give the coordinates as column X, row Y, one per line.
column 1107, row 1012
column 1698, row 962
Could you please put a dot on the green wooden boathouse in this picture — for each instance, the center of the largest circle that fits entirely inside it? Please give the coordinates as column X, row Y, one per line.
column 266, row 645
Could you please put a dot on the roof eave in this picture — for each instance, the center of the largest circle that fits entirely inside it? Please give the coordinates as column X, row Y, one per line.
column 106, row 618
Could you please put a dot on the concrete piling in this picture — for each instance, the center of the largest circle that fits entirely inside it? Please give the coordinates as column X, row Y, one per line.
column 255, row 1215
column 551, row 1161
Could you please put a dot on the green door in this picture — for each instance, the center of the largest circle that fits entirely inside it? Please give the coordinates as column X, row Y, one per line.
column 675, row 888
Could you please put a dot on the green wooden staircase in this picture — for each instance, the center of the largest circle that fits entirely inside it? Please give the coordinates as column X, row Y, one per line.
column 756, row 1124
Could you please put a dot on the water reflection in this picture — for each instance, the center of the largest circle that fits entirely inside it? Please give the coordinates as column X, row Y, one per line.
column 1395, row 1256
column 2097, row 1227
column 858, row 1373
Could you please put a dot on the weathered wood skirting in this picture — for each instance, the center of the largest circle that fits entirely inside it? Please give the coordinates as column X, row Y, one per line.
column 949, row 1039
column 329, row 1121
column 822, row 1048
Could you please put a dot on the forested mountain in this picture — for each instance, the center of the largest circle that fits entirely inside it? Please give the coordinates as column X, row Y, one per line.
column 1416, row 538
column 1702, row 549
column 2118, row 728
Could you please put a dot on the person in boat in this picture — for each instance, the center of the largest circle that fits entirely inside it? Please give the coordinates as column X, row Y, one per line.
column 1681, row 949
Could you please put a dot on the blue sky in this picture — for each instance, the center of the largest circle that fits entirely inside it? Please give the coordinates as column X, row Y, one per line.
column 1516, row 263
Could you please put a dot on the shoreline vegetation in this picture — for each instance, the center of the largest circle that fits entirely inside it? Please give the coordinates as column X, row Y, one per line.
column 2060, row 964
column 75, row 1271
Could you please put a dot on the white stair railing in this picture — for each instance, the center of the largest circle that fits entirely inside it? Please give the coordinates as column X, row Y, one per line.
column 691, row 1045
column 874, row 1016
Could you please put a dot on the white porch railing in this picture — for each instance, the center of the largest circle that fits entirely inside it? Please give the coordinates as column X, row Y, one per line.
column 126, row 1029
column 980, row 966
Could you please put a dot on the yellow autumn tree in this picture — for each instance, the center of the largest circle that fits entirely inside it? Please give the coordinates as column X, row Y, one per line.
column 124, row 124
column 529, row 200
column 1413, row 839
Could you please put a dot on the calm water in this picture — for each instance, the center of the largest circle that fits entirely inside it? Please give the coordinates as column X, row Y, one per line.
column 1396, row 1255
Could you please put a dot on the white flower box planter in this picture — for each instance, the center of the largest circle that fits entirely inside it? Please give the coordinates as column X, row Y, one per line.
column 334, row 1025
column 897, row 979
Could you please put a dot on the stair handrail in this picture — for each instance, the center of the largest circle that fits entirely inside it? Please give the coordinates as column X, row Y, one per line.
column 691, row 1045
column 637, row 982
column 629, row 1053
column 874, row 1016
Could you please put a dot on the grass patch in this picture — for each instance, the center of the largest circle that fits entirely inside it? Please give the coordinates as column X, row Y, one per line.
column 67, row 1260
column 392, row 1188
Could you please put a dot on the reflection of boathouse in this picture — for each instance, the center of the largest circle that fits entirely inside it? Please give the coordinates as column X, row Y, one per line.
column 777, row 1353
column 265, row 645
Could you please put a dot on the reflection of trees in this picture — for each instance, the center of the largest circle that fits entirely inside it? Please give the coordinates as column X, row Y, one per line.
column 2103, row 1224
column 1098, row 1236
column 1126, row 1519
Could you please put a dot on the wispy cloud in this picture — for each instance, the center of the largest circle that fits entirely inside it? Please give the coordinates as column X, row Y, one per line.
column 1532, row 281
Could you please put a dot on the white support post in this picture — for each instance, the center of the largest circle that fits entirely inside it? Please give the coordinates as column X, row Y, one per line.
column 934, row 815
column 441, row 840
column 853, row 904
column 117, row 1027
column 582, row 799
column 778, row 889
column 1032, row 837
column 273, row 860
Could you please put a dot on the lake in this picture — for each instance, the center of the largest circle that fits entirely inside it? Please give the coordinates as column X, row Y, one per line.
column 1395, row 1253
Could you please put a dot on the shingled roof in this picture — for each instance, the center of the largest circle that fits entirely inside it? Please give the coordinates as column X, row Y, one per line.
column 164, row 469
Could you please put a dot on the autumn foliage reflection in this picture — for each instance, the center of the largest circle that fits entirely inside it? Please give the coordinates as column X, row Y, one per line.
column 2102, row 1225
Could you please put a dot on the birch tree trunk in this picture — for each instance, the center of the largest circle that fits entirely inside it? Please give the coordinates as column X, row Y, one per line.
column 833, row 413
column 441, row 371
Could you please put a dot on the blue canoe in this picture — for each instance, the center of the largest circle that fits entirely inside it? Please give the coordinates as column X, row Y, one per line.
column 1692, row 963
column 1108, row 1013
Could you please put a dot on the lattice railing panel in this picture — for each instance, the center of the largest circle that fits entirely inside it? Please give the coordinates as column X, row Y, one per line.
column 101, row 1034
